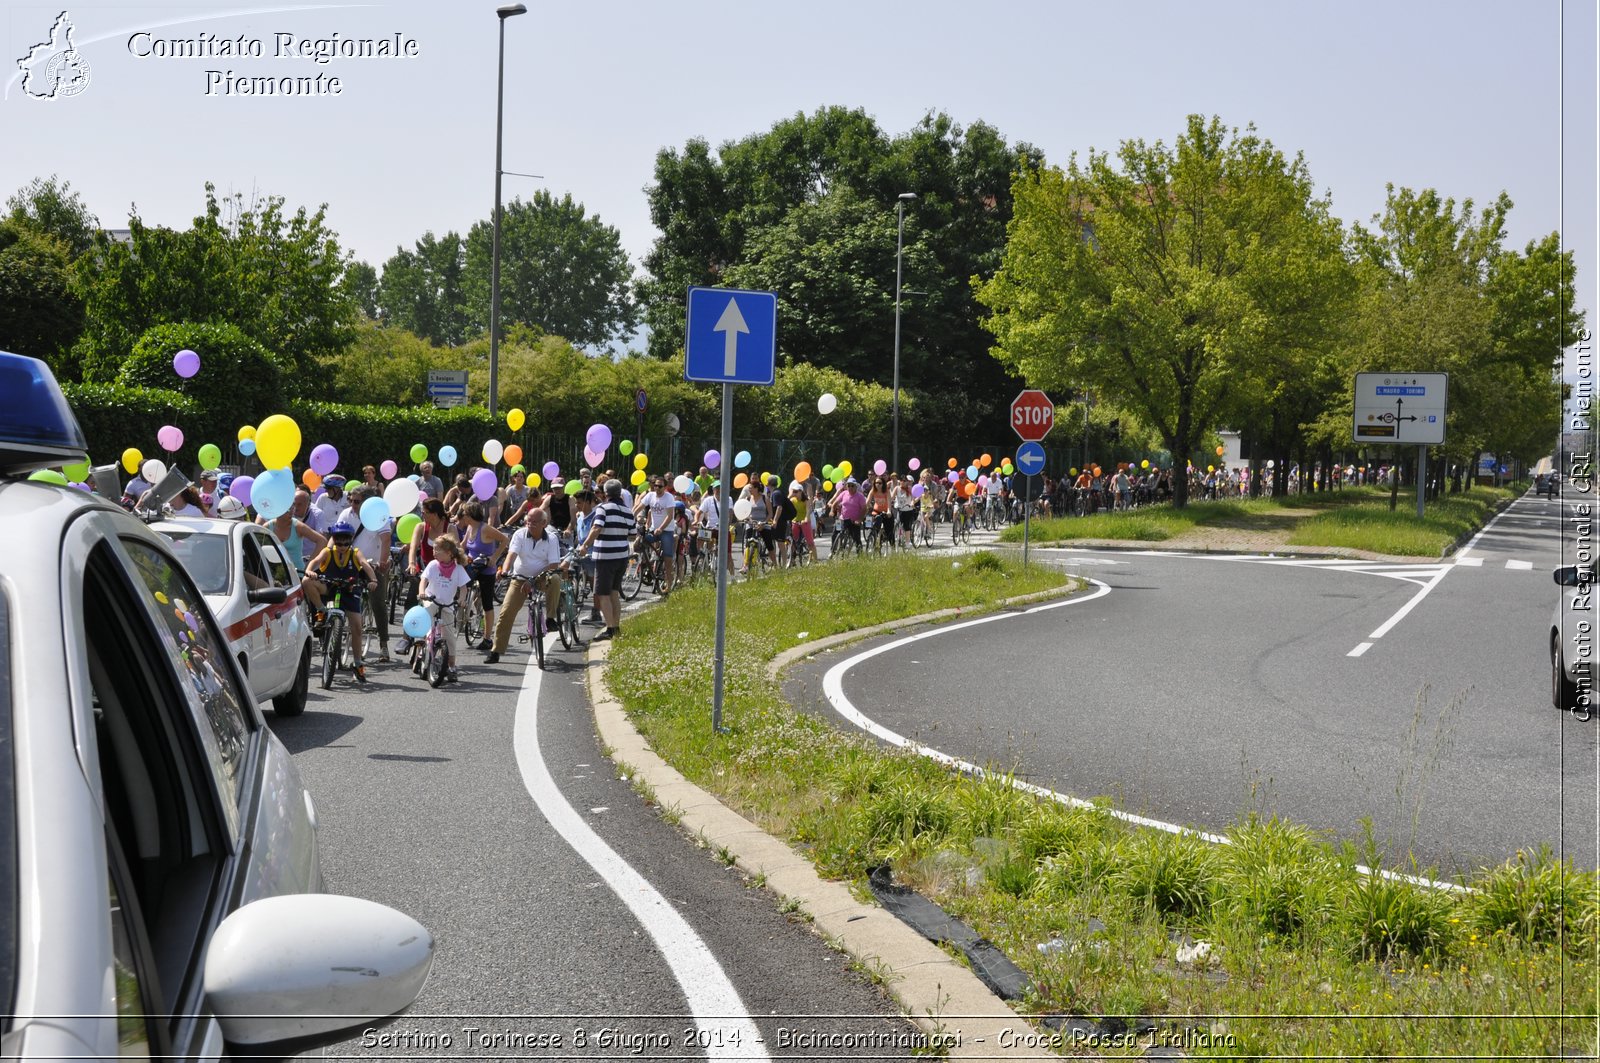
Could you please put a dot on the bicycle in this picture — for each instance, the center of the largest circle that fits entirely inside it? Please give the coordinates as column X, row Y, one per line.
column 430, row 656
column 567, row 615
column 471, row 621
column 961, row 520
column 649, row 566
column 923, row 531
column 633, row 576
column 756, row 551
column 800, row 552
column 336, row 651
column 880, row 533
column 534, row 632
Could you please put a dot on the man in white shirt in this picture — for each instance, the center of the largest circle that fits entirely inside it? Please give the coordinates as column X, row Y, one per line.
column 658, row 512
column 331, row 503
column 534, row 553
column 374, row 546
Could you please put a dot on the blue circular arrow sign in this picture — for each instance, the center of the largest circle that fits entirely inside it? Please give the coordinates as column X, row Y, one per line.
column 1030, row 458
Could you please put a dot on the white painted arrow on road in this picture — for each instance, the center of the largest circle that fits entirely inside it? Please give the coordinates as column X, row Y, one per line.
column 730, row 324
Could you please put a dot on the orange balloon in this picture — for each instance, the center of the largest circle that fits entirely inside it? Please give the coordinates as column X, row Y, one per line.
column 311, row 479
column 1097, row 470
column 1219, row 452
column 983, row 462
column 513, row 455
column 802, row 471
column 952, row 463
column 740, row 480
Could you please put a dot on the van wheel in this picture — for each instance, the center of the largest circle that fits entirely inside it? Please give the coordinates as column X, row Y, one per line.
column 292, row 702
column 1563, row 691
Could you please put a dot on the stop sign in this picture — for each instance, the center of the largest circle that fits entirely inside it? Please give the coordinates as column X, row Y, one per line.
column 1033, row 415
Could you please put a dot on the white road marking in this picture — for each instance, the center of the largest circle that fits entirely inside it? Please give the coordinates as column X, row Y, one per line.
column 1444, row 570
column 1521, row 565
column 1359, row 650
column 833, row 689
column 1470, row 562
column 1485, row 530
column 712, row 999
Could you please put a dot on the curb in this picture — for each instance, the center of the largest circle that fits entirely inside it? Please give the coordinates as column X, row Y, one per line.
column 934, row 990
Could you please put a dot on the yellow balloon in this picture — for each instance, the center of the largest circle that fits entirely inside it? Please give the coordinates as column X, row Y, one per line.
column 515, row 420
column 1145, row 464
column 277, row 441
column 247, row 432
column 132, row 459
column 1211, row 468
column 639, row 462
column 638, row 477
column 845, row 467
column 534, row 479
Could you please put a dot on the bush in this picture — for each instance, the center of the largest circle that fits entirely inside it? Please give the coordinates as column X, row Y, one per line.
column 233, row 368
column 1174, row 874
column 114, row 418
column 1527, row 896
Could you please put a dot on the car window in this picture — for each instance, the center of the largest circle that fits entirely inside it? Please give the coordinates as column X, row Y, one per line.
column 205, row 556
column 255, row 567
column 199, row 652
column 282, row 574
column 133, row 1033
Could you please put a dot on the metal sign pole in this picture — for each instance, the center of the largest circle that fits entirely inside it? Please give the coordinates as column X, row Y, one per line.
column 1027, row 515
column 724, row 554
column 1422, row 475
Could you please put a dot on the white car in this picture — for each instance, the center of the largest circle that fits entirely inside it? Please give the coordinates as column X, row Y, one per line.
column 158, row 852
column 255, row 594
column 1572, row 638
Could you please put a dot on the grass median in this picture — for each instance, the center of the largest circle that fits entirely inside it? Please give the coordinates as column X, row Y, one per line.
column 1274, row 945
column 1354, row 518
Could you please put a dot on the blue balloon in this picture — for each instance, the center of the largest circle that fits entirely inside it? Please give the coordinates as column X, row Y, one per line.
column 741, row 459
column 247, row 447
column 273, row 493
column 447, row 455
column 972, row 472
column 417, row 622
column 374, row 514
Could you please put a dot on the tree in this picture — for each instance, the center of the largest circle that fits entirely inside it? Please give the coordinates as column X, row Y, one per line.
column 422, row 290
column 1164, row 282
column 360, row 282
column 277, row 277
column 561, row 271
column 48, row 206
column 40, row 314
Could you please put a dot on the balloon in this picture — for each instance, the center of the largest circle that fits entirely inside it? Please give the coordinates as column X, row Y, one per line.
column 49, row 476
column 447, row 455
column 827, row 403
column 278, row 441
column 153, row 470
column 374, row 514
column 131, row 460
column 952, row 463
column 682, row 484
column 1211, row 468
column 311, row 479
column 1008, row 468
column 388, row 469
column 640, row 461
column 845, row 468
column 419, row 453
column 741, row 509
column 828, row 471
column 739, row 481
column 827, row 485
column 77, row 473
column 953, row 476
column 985, row 461
column 483, row 484
column 324, row 459
column 983, row 481
column 247, row 447
column 273, row 493
column 534, row 481
column 598, row 437
column 916, row 491
column 1145, row 464
column 210, row 456
column 972, row 472
column 418, row 622
column 969, row 489
column 402, row 495
column 713, row 460
column 1219, row 451
column 246, row 432
column 880, row 467
column 551, row 470
column 1270, row 463
column 914, row 464
column 406, row 526
column 626, row 446
column 573, row 487
column 741, row 459
column 493, row 451
column 513, row 455
column 186, row 364
column 592, row 456
column 802, row 471
column 515, row 419
column 170, row 437
column 637, row 478
column 241, row 488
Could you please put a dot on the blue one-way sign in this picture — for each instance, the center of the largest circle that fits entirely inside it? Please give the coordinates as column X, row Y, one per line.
column 732, row 336
column 1030, row 458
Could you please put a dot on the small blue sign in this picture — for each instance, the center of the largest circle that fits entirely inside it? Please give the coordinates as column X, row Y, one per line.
column 731, row 336
column 1030, row 458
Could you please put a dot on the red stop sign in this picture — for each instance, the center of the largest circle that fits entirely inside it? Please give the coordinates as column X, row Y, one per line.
column 1033, row 415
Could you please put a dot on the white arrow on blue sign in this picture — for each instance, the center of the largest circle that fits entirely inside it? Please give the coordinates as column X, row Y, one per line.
column 1030, row 458
column 731, row 336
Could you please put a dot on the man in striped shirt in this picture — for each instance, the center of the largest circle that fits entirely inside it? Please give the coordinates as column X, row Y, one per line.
column 609, row 542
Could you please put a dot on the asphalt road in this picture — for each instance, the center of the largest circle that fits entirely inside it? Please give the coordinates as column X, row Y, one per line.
column 1201, row 688
column 423, row 806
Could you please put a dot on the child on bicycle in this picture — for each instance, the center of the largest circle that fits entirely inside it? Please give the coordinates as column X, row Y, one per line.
column 340, row 560
column 441, row 582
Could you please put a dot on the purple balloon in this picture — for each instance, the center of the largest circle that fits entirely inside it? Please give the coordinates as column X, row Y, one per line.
column 324, row 459
column 170, row 437
column 186, row 363
column 916, row 492
column 598, row 437
column 551, row 470
column 713, row 460
column 240, row 488
column 953, row 476
column 483, row 484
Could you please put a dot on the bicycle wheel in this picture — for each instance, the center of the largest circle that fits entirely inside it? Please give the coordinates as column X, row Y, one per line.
column 471, row 623
column 397, row 594
column 632, row 577
column 567, row 622
column 332, row 648
column 438, row 659
column 536, row 632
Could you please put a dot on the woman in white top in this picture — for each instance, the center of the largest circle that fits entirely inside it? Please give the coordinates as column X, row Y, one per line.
column 441, row 581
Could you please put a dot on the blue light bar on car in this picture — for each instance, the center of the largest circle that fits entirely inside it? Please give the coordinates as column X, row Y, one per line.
column 37, row 428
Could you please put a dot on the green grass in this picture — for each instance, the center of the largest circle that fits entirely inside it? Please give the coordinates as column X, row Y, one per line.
column 1369, row 525
column 1326, row 959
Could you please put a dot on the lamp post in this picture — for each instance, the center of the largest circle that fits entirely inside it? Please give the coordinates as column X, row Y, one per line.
column 494, row 258
column 899, row 246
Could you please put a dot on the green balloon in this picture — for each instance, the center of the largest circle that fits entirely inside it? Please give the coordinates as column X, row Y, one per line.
column 573, row 487
column 406, row 527
column 49, row 476
column 419, row 453
column 77, row 473
column 210, row 456
column 626, row 447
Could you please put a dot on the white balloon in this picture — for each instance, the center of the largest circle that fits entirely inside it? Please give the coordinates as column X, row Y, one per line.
column 153, row 471
column 402, row 496
column 827, row 403
column 741, row 509
column 493, row 451
column 682, row 484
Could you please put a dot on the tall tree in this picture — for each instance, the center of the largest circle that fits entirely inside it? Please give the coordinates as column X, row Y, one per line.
column 423, row 290
column 1163, row 280
column 50, row 206
column 40, row 314
column 360, row 282
column 561, row 270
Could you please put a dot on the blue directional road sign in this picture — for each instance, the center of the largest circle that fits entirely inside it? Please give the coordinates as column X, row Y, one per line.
column 1030, row 458
column 732, row 336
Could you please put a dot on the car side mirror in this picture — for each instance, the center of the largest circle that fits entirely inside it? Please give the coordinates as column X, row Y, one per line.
column 287, row 974
column 1567, row 575
column 267, row 596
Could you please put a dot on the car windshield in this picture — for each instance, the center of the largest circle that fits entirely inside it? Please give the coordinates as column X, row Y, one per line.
column 204, row 556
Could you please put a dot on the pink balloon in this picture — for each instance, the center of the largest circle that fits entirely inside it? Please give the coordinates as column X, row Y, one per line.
column 483, row 484
column 914, row 464
column 592, row 456
column 324, row 459
column 186, row 364
column 880, row 467
column 170, row 437
column 388, row 469
column 240, row 488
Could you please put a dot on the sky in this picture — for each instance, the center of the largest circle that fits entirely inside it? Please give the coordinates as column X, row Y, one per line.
column 1470, row 98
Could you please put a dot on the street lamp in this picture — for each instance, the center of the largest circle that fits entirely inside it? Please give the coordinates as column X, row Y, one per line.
column 899, row 246
column 494, row 259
